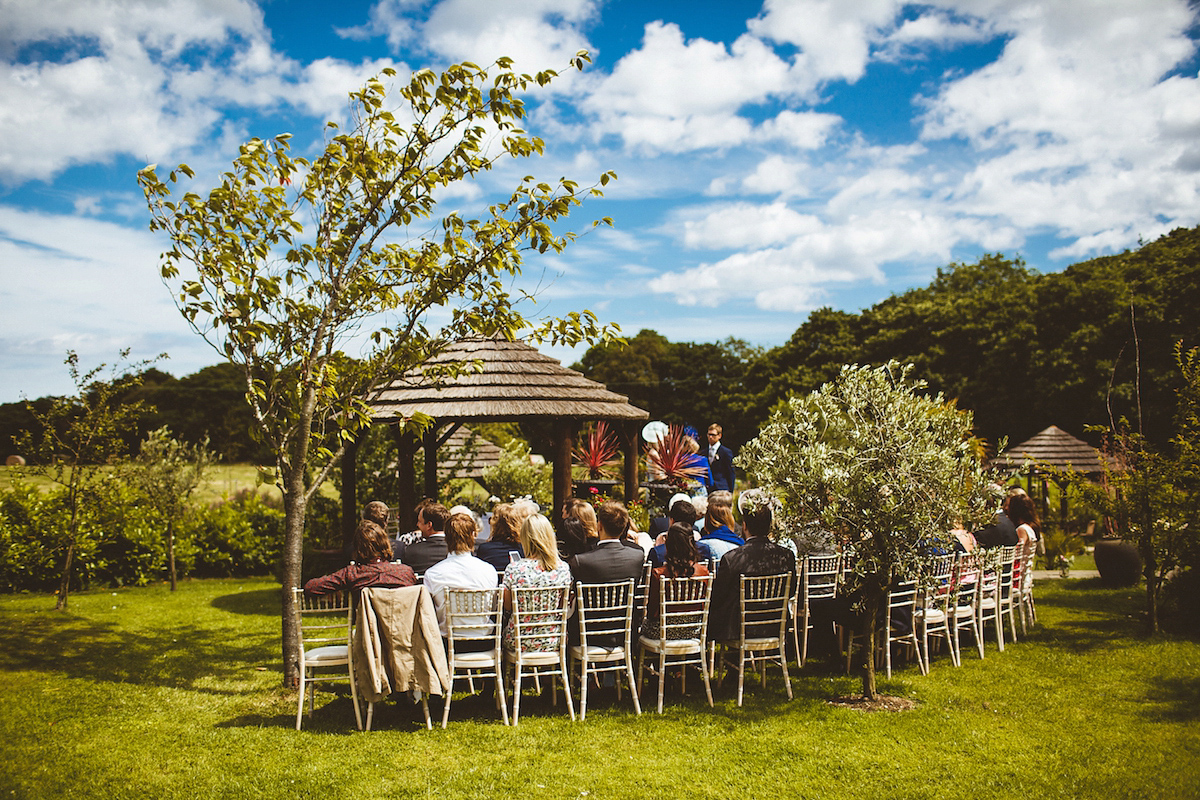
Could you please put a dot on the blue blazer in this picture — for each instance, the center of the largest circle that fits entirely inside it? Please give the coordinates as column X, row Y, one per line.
column 722, row 469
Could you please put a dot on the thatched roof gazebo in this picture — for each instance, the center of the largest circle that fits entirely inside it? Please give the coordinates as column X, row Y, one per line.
column 1047, row 455
column 499, row 380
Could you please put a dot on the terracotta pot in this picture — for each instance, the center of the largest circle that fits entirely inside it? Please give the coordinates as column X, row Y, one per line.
column 1119, row 562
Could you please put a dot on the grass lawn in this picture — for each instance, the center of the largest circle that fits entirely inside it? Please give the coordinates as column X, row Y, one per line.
column 144, row 693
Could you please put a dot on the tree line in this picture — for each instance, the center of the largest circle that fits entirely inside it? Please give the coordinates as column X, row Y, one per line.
column 1021, row 349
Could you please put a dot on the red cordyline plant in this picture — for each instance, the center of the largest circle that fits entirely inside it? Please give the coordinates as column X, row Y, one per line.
column 671, row 461
column 597, row 451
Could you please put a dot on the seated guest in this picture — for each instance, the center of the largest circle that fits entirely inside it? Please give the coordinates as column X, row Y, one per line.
column 581, row 510
column 499, row 549
column 659, row 525
column 374, row 511
column 431, row 522
column 403, row 540
column 371, row 565
column 610, row 561
column 572, row 538
column 1023, row 513
column 963, row 541
column 759, row 556
column 540, row 567
column 718, row 536
column 683, row 511
column 459, row 569
column 461, row 509
column 1001, row 533
column 679, row 562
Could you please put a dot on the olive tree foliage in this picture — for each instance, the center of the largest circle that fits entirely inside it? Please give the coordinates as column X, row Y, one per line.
column 77, row 440
column 888, row 471
column 165, row 474
column 320, row 278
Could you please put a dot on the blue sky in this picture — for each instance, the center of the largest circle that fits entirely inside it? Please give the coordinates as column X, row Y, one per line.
column 773, row 157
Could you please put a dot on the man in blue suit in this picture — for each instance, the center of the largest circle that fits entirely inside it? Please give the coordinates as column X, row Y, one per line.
column 720, row 461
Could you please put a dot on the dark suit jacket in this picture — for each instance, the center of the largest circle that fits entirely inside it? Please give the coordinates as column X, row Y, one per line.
column 1001, row 533
column 758, row 556
column 658, row 525
column 722, row 470
column 609, row 562
column 424, row 554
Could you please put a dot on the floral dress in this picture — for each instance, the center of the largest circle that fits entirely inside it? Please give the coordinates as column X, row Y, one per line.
column 524, row 573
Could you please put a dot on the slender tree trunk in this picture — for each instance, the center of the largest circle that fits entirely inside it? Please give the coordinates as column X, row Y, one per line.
column 295, row 505
column 1150, row 573
column 171, row 550
column 64, row 586
column 872, row 621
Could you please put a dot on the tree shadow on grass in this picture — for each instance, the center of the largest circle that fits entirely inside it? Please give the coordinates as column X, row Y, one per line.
column 183, row 657
column 265, row 602
column 1172, row 698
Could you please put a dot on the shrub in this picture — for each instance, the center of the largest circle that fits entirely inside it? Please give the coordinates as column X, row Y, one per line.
column 517, row 476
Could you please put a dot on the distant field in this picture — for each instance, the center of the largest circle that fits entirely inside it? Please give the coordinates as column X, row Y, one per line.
column 221, row 481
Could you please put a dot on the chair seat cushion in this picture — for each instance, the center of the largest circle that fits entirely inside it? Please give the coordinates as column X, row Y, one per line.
column 673, row 646
column 537, row 659
column 597, row 653
column 330, row 655
column 930, row 615
column 484, row 659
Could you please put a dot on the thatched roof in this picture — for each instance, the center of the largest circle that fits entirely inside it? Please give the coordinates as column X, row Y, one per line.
column 466, row 454
column 1056, row 448
column 513, row 382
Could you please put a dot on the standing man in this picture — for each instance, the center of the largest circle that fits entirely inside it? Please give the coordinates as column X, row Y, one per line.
column 720, row 461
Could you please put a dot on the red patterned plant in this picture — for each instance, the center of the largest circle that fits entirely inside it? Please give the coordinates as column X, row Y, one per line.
column 597, row 451
column 671, row 459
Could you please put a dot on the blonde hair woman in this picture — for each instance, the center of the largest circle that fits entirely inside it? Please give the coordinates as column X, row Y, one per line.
column 541, row 566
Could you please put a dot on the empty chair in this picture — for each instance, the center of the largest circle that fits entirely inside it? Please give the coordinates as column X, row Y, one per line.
column 987, row 597
column 762, row 628
column 931, row 615
column 818, row 581
column 605, row 632
column 679, row 640
column 539, row 644
column 1028, row 609
column 324, row 623
column 1010, row 586
column 897, row 627
column 963, row 607
column 473, row 624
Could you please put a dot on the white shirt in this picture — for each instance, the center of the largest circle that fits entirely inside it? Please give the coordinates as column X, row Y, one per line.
column 457, row 571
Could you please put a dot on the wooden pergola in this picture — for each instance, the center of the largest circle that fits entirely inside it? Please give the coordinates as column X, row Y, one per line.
column 1046, row 456
column 500, row 380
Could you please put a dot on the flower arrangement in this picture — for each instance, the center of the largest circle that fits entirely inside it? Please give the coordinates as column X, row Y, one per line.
column 597, row 451
column 672, row 460
column 1063, row 564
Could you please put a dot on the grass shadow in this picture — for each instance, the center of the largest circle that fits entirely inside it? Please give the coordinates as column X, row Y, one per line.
column 266, row 602
column 183, row 657
column 1172, row 698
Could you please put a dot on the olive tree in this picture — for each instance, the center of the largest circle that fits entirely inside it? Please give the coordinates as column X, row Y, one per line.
column 890, row 472
column 321, row 277
column 76, row 442
column 165, row 473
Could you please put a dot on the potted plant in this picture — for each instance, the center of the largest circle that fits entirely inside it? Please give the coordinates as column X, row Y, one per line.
column 672, row 463
column 596, row 453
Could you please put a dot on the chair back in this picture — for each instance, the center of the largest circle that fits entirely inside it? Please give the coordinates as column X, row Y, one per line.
column 540, row 618
column 1008, row 570
column 902, row 595
column 764, row 606
column 323, row 620
column 939, row 589
column 683, row 608
column 819, row 578
column 605, row 613
column 474, row 615
column 642, row 591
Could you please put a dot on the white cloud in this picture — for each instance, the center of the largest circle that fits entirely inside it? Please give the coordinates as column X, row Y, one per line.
column 536, row 34
column 834, row 36
column 741, row 226
column 672, row 95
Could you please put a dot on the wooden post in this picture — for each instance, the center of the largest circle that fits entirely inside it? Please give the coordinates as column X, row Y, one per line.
column 406, row 479
column 632, row 453
column 350, row 492
column 564, row 441
column 430, row 444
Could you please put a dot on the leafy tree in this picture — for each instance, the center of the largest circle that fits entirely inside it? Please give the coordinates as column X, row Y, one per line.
column 285, row 302
column 165, row 473
column 75, row 443
column 887, row 470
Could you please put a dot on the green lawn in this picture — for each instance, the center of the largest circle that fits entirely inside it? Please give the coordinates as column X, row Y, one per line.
column 220, row 480
column 141, row 693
